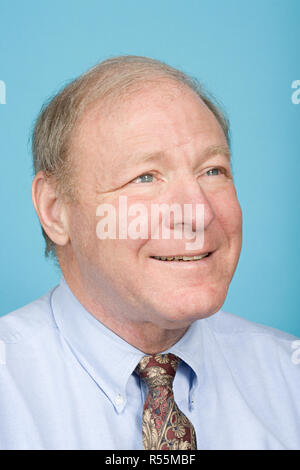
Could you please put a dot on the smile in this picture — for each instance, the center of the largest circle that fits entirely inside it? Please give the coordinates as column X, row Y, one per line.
column 181, row 258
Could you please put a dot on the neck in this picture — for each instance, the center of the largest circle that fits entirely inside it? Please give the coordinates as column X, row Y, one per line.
column 150, row 338
column 146, row 336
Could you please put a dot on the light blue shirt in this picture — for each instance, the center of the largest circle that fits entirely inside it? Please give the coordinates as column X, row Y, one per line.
column 67, row 382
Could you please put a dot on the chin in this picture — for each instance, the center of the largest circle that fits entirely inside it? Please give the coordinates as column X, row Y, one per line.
column 180, row 313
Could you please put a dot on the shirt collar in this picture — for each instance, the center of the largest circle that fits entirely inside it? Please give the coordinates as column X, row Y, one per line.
column 106, row 357
column 190, row 348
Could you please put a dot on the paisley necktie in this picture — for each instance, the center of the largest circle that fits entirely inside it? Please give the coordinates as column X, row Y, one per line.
column 165, row 427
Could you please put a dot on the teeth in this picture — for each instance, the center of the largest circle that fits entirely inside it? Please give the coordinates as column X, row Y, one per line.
column 180, row 258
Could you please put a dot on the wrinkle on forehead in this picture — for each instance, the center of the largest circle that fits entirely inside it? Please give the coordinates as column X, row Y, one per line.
column 111, row 108
column 134, row 127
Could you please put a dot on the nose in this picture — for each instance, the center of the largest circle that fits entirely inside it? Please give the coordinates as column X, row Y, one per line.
column 194, row 202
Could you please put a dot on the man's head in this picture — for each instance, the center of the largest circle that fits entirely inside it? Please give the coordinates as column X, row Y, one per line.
column 114, row 78
column 144, row 131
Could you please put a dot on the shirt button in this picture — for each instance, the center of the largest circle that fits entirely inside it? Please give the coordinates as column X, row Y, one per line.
column 119, row 400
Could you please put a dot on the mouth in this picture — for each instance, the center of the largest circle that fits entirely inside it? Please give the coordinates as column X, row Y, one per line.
column 181, row 258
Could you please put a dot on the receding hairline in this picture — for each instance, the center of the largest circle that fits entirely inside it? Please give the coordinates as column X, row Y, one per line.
column 106, row 82
column 134, row 83
column 111, row 103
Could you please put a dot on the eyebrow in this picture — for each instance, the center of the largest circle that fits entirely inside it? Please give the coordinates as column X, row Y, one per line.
column 218, row 149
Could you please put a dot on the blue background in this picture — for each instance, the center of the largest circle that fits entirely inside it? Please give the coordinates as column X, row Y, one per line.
column 246, row 53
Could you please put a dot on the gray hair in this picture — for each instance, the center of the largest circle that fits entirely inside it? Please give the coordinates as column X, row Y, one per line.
column 57, row 119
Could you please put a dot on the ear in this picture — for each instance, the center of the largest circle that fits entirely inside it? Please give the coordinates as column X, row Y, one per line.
column 50, row 209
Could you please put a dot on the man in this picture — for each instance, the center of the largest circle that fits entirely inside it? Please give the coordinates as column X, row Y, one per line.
column 132, row 349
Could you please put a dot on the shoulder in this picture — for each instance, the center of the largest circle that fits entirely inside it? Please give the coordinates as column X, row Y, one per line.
column 229, row 324
column 259, row 347
column 258, row 369
column 30, row 349
column 27, row 324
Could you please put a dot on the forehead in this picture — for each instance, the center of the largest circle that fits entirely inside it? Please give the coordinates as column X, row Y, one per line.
column 157, row 117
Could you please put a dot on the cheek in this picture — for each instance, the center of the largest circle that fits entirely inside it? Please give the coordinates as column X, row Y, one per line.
column 133, row 219
column 229, row 214
column 82, row 230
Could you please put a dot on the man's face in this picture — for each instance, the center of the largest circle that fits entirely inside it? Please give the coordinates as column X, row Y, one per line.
column 168, row 135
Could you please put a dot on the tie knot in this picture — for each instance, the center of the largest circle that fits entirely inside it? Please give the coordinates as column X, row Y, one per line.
column 158, row 370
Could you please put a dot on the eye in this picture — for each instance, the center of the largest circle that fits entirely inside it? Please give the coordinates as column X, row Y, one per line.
column 214, row 172
column 146, row 178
